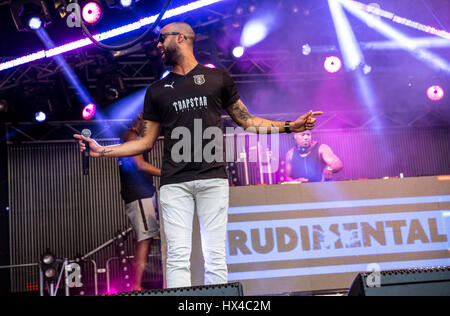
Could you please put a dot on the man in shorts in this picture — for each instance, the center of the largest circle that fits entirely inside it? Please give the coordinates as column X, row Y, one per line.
column 138, row 193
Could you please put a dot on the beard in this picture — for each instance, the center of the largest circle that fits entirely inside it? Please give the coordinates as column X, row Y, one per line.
column 170, row 56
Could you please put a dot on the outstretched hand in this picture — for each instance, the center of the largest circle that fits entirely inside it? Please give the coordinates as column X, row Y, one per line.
column 305, row 122
column 95, row 150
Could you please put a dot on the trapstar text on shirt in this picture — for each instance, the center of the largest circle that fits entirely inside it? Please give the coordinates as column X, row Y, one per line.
column 191, row 104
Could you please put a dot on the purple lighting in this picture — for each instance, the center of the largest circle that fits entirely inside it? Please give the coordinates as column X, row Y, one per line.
column 126, row 3
column 105, row 35
column 35, row 23
column 238, row 52
column 89, row 111
column 400, row 20
column 92, row 12
column 435, row 93
column 332, row 64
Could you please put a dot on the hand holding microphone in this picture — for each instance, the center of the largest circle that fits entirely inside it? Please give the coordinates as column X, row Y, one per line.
column 86, row 153
column 88, row 147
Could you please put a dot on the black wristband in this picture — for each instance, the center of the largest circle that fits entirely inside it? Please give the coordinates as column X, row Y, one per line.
column 287, row 127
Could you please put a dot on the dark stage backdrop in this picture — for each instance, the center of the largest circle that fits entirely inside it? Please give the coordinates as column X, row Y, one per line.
column 54, row 206
column 4, row 231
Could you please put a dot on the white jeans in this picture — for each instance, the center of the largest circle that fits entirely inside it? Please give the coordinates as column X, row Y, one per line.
column 178, row 202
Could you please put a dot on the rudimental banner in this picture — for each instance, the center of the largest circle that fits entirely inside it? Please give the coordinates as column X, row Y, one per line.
column 316, row 236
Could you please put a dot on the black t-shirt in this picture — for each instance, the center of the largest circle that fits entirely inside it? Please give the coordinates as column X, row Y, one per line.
column 309, row 167
column 190, row 103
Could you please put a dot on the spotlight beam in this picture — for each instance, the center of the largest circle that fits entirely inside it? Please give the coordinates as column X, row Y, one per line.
column 419, row 42
column 353, row 57
column 70, row 76
column 422, row 42
column 388, row 31
column 348, row 44
column 400, row 20
column 105, row 35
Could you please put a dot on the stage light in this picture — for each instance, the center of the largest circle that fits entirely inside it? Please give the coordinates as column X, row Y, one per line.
column 195, row 5
column 48, row 266
column 406, row 43
column 251, row 8
column 348, row 44
column 120, row 3
column 238, row 52
column 376, row 10
column 210, row 66
column 435, row 93
column 81, row 91
column 332, row 64
column 367, row 69
column 126, row 3
column 92, row 12
column 89, row 111
column 40, row 116
column 258, row 28
column 112, row 94
column 35, row 23
column 306, row 49
column 254, row 32
column 30, row 15
column 124, row 263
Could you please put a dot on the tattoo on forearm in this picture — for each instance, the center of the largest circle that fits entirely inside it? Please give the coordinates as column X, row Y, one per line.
column 241, row 111
column 104, row 152
column 241, row 114
column 144, row 129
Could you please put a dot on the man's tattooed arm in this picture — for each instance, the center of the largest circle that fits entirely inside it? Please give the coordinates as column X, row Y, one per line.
column 105, row 151
column 240, row 114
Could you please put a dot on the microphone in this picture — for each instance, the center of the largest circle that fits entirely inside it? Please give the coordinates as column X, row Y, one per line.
column 86, row 133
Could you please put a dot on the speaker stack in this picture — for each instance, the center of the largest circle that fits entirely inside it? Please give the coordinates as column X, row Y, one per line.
column 230, row 289
column 410, row 282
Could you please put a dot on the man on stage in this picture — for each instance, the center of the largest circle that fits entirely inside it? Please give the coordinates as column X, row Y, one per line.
column 139, row 194
column 309, row 161
column 192, row 92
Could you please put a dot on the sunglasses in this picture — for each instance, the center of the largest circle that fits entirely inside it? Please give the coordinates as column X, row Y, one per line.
column 163, row 36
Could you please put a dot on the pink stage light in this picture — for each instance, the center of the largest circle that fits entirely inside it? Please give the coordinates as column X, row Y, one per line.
column 435, row 93
column 332, row 64
column 88, row 111
column 210, row 65
column 105, row 35
column 92, row 12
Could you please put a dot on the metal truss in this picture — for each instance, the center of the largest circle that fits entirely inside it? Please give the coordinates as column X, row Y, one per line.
column 62, row 131
column 139, row 70
column 110, row 130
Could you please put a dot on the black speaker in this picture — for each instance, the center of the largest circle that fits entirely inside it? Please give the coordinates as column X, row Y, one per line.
column 230, row 289
column 410, row 282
